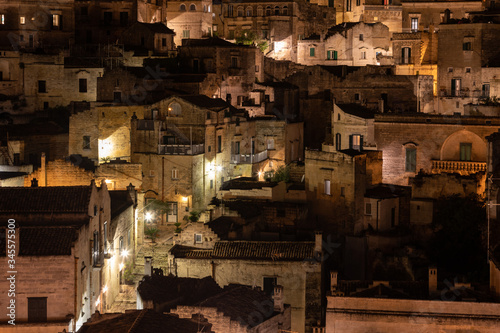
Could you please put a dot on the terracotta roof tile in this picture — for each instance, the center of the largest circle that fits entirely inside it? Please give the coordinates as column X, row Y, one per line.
column 46, row 241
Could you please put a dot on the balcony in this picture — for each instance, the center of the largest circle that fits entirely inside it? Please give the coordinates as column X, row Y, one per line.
column 181, row 149
column 249, row 158
column 461, row 167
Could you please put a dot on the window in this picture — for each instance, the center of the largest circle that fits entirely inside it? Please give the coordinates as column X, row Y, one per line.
column 411, row 160
column 259, row 11
column 450, row 69
column 182, row 8
column 22, row 20
column 342, row 191
column 174, row 109
column 363, row 55
column 356, row 141
column 406, row 55
column 312, row 50
column 467, row 46
column 219, row 143
column 108, row 18
column 192, row 7
column 117, row 96
column 328, row 55
column 465, row 151
column 86, row 142
column 163, row 42
column 455, row 87
column 95, row 249
column 2, row 19
column 361, row 38
column 198, row 238
column 123, row 19
column 269, row 284
column 276, row 10
column 357, row 97
column 249, row 11
column 211, row 183
column 42, row 86
column 348, row 5
column 175, row 173
column 327, row 187
column 358, row 3
column 467, row 69
column 338, row 141
column 37, row 309
column 270, row 143
column 121, row 245
column 485, row 90
column 230, row 10
column 185, row 34
column 57, row 21
column 240, row 11
column 368, row 208
column 234, row 62
column 268, row 11
column 414, row 24
column 285, row 10
column 106, row 237
column 82, row 85
column 236, row 148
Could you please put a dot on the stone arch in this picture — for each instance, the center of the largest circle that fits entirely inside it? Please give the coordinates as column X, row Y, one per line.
column 450, row 150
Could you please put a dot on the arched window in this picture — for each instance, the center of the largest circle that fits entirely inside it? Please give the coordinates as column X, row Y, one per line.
column 268, row 11
column 182, row 8
column 240, row 11
column 174, row 109
column 276, row 10
column 192, row 7
column 285, row 10
column 259, row 11
column 249, row 11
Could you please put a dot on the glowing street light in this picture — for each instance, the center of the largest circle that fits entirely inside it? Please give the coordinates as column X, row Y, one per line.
column 124, row 253
column 148, row 216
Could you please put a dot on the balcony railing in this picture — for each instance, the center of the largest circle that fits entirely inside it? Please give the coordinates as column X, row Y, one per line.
column 249, row 158
column 181, row 149
column 462, row 167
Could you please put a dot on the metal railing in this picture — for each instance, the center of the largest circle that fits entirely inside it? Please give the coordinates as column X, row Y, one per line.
column 249, row 158
column 181, row 149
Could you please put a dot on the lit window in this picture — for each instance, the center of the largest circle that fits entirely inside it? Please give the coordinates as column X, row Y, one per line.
column 198, row 238
column 414, row 24
column 175, row 174
column 363, row 55
column 327, row 187
column 22, row 20
column 356, row 141
column 2, row 19
column 185, row 33
column 56, row 21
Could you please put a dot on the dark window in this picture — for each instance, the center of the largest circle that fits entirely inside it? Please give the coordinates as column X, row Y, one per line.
column 465, row 151
column 163, row 42
column 234, row 62
column 17, row 159
column 42, row 86
column 358, row 3
column 269, row 284
column 105, row 237
column 342, row 191
column 338, row 141
column 37, row 309
column 182, row 8
column 211, row 183
column 117, row 96
column 123, row 19
column 348, row 5
column 31, row 41
column 485, row 90
column 236, row 148
column 108, row 18
column 361, row 38
column 368, row 208
column 45, row 105
column 219, row 143
column 456, row 85
column 467, row 46
column 86, row 142
column 411, row 160
column 406, row 55
column 312, row 51
column 82, row 85
column 192, row 7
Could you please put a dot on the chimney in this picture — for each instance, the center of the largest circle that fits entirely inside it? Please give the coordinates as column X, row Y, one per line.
column 43, row 172
column 148, row 265
column 432, row 279
column 278, row 299
column 318, row 245
column 333, row 280
column 34, row 182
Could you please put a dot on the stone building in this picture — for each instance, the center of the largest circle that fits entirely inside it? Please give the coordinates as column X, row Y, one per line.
column 431, row 143
column 351, row 44
column 468, row 64
column 60, row 231
column 46, row 25
column 352, row 127
column 291, row 265
column 191, row 19
column 336, row 182
column 235, row 67
column 103, row 22
column 388, row 12
column 154, row 37
column 280, row 24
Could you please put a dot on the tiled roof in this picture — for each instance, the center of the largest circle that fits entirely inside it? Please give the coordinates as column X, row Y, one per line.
column 157, row 28
column 46, row 241
column 211, row 41
column 224, row 224
column 172, row 291
column 246, row 183
column 146, row 321
column 54, row 199
column 251, row 250
column 206, row 102
column 357, row 110
column 242, row 304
